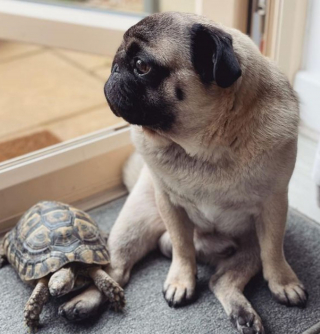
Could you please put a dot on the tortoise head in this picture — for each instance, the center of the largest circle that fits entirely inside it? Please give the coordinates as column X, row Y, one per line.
column 62, row 281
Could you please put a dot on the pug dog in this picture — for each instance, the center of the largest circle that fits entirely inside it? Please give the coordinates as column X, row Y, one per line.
column 215, row 124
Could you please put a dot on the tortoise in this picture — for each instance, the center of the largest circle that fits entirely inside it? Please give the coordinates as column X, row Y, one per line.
column 58, row 248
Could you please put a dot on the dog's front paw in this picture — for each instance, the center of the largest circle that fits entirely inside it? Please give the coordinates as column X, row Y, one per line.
column 286, row 287
column 292, row 294
column 178, row 293
column 179, row 288
column 74, row 311
column 78, row 308
column 246, row 320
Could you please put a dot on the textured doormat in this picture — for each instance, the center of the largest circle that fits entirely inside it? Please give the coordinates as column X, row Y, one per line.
column 148, row 313
column 26, row 144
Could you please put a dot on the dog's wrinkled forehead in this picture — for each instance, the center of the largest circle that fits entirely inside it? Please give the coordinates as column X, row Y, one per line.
column 151, row 28
column 161, row 35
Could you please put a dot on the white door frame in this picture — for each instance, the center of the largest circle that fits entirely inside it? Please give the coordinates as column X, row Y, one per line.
column 286, row 24
column 63, row 155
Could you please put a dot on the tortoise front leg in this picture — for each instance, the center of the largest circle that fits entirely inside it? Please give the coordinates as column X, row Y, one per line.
column 35, row 304
column 3, row 257
column 110, row 288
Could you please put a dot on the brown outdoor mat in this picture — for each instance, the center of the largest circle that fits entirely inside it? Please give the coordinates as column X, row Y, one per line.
column 26, row 144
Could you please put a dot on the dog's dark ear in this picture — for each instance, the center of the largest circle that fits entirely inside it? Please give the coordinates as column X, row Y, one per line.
column 213, row 56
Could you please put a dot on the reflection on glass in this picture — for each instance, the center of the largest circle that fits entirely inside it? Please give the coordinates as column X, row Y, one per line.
column 131, row 6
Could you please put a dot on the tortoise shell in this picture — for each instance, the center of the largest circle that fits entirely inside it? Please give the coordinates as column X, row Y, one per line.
column 50, row 235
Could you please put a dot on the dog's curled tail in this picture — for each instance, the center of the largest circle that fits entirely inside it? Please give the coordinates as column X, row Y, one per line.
column 132, row 170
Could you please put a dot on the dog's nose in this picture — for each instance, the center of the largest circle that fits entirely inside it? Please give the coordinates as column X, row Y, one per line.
column 115, row 68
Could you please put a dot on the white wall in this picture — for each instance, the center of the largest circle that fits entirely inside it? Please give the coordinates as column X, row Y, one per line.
column 307, row 81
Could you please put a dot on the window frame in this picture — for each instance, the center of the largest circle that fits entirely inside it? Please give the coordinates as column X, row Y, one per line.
column 285, row 31
column 63, row 155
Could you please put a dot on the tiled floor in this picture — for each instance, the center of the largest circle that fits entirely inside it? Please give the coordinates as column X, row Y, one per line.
column 54, row 90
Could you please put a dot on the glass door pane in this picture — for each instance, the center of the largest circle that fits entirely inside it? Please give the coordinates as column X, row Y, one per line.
column 49, row 96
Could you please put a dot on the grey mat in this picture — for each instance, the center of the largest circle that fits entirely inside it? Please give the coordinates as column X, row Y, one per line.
column 147, row 312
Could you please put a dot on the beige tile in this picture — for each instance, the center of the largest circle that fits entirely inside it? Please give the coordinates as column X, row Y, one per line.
column 10, row 50
column 22, row 133
column 44, row 88
column 85, row 60
column 102, row 72
column 85, row 123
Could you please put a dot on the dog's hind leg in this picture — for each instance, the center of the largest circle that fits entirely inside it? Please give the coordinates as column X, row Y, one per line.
column 231, row 277
column 136, row 231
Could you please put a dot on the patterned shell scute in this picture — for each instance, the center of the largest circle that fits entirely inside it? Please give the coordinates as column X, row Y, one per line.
column 50, row 235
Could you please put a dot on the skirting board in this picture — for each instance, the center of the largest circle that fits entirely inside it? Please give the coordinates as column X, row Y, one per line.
column 86, row 204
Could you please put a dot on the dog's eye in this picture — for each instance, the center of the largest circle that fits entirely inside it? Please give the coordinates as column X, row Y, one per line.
column 141, row 67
